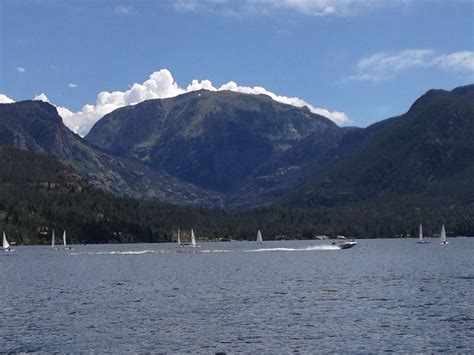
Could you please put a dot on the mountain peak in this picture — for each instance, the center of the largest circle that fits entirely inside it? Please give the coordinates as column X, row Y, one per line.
column 435, row 95
column 35, row 108
column 214, row 139
column 430, row 98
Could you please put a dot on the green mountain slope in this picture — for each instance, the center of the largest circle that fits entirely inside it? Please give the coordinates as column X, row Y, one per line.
column 215, row 140
column 233, row 150
column 37, row 127
column 39, row 193
column 425, row 152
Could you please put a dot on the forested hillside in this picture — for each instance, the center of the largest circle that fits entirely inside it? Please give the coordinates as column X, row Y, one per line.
column 39, row 193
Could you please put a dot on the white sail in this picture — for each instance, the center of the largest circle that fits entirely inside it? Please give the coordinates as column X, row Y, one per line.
column 443, row 235
column 53, row 241
column 193, row 238
column 259, row 237
column 6, row 245
column 64, row 238
column 179, row 237
column 421, row 233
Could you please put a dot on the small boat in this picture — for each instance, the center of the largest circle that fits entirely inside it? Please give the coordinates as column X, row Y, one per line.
column 193, row 240
column 259, row 237
column 344, row 243
column 192, row 244
column 5, row 244
column 53, row 241
column 179, row 239
column 66, row 247
column 443, row 240
column 421, row 239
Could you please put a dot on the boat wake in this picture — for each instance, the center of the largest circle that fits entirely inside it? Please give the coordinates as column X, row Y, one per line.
column 312, row 248
column 125, row 252
column 142, row 252
column 215, row 251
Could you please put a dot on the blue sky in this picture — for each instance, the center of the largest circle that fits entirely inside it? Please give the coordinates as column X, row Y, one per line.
column 362, row 61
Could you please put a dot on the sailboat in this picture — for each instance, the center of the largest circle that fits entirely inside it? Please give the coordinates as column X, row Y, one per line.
column 179, row 239
column 443, row 239
column 193, row 240
column 192, row 244
column 421, row 239
column 6, row 245
column 53, row 241
column 66, row 247
column 259, row 237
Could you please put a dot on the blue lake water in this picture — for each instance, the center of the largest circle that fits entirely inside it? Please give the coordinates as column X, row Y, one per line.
column 382, row 295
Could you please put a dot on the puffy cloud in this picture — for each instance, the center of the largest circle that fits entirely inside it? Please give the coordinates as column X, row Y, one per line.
column 72, row 85
column 161, row 84
column 41, row 97
column 384, row 66
column 20, row 69
column 338, row 117
column 4, row 99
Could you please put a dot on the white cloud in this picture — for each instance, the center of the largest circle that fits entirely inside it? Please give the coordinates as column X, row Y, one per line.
column 338, row 117
column 72, row 85
column 303, row 7
column 161, row 84
column 123, row 10
column 4, row 99
column 20, row 69
column 41, row 97
column 384, row 66
column 459, row 61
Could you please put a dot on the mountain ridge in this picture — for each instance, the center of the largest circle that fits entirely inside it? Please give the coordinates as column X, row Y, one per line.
column 37, row 127
column 215, row 140
column 237, row 151
column 418, row 151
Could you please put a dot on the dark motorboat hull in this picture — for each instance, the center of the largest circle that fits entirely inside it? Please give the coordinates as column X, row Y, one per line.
column 347, row 245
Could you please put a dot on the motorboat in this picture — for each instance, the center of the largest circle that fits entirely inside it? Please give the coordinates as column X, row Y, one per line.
column 344, row 243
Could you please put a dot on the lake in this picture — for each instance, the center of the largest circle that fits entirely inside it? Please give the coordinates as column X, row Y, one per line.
column 288, row 296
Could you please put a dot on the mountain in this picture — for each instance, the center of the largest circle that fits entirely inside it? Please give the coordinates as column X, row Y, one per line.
column 378, row 181
column 232, row 143
column 232, row 150
column 39, row 193
column 36, row 126
column 426, row 152
column 295, row 167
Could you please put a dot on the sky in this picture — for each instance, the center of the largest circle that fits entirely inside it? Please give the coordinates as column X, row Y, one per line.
column 354, row 61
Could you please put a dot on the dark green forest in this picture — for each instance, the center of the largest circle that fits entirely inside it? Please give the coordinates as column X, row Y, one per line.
column 39, row 193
